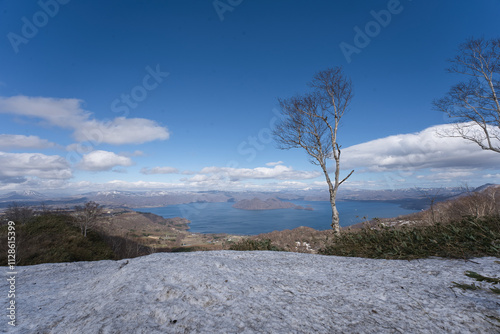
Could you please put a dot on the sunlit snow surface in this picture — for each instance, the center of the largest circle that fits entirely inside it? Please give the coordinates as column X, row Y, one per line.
column 253, row 292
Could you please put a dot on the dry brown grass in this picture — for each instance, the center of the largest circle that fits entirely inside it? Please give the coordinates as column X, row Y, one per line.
column 301, row 239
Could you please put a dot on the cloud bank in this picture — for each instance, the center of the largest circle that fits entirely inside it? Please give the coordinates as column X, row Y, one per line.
column 422, row 150
column 159, row 170
column 278, row 172
column 16, row 167
column 68, row 113
column 397, row 161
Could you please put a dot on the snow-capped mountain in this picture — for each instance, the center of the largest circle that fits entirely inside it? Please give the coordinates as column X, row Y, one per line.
column 24, row 195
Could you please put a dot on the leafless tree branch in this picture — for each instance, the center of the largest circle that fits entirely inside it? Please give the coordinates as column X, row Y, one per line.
column 474, row 104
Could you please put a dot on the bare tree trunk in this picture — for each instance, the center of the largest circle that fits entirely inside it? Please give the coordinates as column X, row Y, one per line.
column 335, row 217
column 333, row 197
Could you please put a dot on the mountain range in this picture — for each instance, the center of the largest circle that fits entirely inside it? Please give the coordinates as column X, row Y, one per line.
column 409, row 197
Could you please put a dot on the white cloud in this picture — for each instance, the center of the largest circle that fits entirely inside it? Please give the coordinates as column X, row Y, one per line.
column 492, row 176
column 274, row 163
column 34, row 183
column 15, row 167
column 159, row 170
column 137, row 185
column 121, row 131
column 67, row 113
column 421, row 150
column 277, row 172
column 81, row 148
column 103, row 161
column 206, row 178
column 9, row 142
column 279, row 177
column 446, row 176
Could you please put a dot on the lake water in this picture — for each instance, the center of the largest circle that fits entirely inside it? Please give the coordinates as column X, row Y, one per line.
column 223, row 218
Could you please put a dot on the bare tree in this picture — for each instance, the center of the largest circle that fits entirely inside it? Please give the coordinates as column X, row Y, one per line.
column 478, row 203
column 19, row 213
column 87, row 216
column 311, row 122
column 474, row 104
column 432, row 196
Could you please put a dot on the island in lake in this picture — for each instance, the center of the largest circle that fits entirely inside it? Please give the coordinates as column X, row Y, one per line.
column 269, row 204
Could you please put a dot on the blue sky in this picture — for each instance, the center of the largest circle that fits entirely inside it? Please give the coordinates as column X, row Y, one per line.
column 181, row 95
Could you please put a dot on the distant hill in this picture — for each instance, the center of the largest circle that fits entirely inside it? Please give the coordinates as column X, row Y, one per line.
column 269, row 204
column 486, row 186
column 397, row 194
column 153, row 198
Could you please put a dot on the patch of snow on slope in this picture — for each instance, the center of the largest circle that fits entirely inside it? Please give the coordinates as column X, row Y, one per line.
column 252, row 292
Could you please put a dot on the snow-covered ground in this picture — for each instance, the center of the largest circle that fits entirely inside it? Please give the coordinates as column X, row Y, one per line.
column 252, row 292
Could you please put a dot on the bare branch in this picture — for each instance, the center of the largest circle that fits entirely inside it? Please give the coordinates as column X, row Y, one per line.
column 345, row 178
column 474, row 104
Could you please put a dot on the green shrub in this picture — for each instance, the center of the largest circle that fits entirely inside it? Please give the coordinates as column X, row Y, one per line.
column 479, row 278
column 467, row 238
column 251, row 245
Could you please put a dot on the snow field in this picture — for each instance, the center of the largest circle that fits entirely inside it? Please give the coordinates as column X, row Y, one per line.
column 253, row 292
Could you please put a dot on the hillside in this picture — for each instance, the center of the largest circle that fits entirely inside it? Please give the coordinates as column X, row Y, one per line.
column 479, row 202
column 160, row 234
column 52, row 238
column 253, row 292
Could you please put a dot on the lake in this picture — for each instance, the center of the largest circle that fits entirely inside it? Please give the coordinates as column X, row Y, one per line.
column 223, row 218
